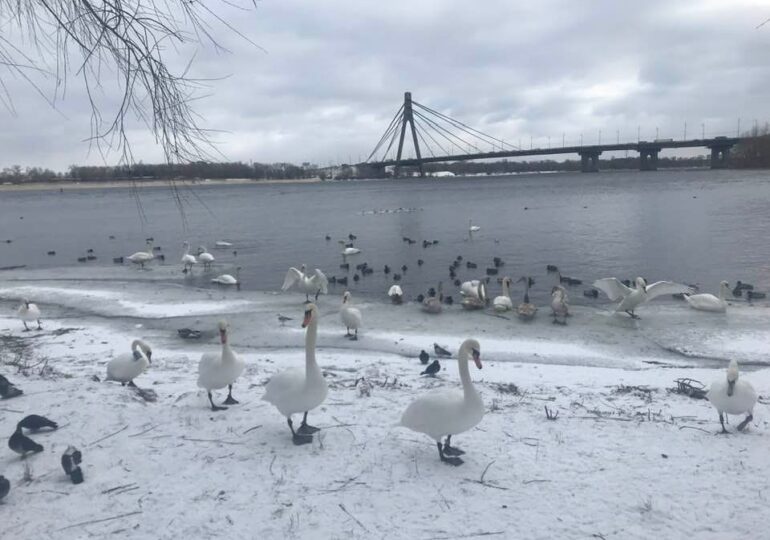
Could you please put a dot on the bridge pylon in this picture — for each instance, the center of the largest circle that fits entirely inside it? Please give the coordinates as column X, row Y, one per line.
column 408, row 116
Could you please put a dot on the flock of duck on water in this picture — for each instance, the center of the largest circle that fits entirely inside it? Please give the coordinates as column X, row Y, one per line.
column 440, row 414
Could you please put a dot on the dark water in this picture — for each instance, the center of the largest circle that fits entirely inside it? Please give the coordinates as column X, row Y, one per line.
column 691, row 226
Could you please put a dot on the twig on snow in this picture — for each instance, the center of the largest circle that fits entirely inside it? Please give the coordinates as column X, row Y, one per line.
column 694, row 427
column 354, row 518
column 143, row 432
column 91, row 522
column 252, row 428
column 211, row 441
column 106, row 491
column 107, row 437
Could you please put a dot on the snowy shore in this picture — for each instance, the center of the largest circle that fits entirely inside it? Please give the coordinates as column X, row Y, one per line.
column 625, row 458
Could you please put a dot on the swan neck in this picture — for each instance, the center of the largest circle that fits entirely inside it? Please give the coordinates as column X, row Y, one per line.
column 310, row 339
column 465, row 376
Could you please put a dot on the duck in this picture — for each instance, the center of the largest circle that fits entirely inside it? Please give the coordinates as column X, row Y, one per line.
column 432, row 304
column 351, row 316
column 474, row 294
column 504, row 303
column 142, row 257
column 296, row 390
column 29, row 312
column 188, row 260
column 205, row 258
column 733, row 395
column 227, row 279
column 569, row 280
column 189, row 333
column 22, row 445
column 316, row 284
column 631, row 298
column 709, row 302
column 448, row 412
column 396, row 294
column 559, row 305
column 217, row 370
column 124, row 368
column 740, row 287
column 526, row 309
column 473, row 228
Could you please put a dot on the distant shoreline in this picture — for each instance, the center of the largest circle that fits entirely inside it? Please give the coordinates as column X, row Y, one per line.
column 70, row 185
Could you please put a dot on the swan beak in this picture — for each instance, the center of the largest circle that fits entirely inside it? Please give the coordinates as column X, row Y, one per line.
column 306, row 320
column 149, row 356
column 730, row 387
column 477, row 358
column 223, row 336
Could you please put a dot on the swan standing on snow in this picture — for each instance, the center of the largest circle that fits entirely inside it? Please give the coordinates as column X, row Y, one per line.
column 351, row 316
column 142, row 257
column 217, row 370
column 188, row 260
column 709, row 302
column 295, row 390
column 559, row 304
column 29, row 312
column 733, row 396
column 227, row 279
column 526, row 309
column 449, row 412
column 124, row 368
column 396, row 294
column 309, row 284
column 204, row 257
column 631, row 298
column 504, row 303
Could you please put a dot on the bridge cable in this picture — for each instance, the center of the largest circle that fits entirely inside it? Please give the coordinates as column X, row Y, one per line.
column 435, row 127
column 467, row 127
column 450, row 133
column 384, row 137
column 393, row 137
column 435, row 141
column 424, row 142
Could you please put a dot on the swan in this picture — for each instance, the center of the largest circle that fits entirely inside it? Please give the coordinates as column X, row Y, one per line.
column 217, row 370
column 227, row 279
column 733, row 396
column 221, row 244
column 473, row 228
column 350, row 251
column 474, row 294
column 309, row 284
column 504, row 303
column 126, row 367
column 527, row 310
column 432, row 304
column 396, row 294
column 298, row 391
column 142, row 257
column 709, row 302
column 631, row 298
column 351, row 316
column 188, row 260
column 204, row 257
column 449, row 412
column 559, row 304
column 29, row 312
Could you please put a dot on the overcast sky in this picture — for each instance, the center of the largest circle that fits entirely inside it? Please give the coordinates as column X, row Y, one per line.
column 334, row 73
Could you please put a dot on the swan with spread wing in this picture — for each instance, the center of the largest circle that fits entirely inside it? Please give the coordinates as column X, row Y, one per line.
column 632, row 297
column 315, row 283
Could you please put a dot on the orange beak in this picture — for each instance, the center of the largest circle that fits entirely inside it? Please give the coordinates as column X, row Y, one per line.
column 223, row 336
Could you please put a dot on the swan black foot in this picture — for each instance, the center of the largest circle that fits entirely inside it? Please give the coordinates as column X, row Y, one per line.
column 131, row 384
column 305, row 428
column 450, row 450
column 215, row 407
column 745, row 422
column 456, row 461
column 722, row 421
column 230, row 399
column 298, row 437
column 633, row 315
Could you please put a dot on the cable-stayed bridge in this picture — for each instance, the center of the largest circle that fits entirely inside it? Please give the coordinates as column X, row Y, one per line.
column 435, row 137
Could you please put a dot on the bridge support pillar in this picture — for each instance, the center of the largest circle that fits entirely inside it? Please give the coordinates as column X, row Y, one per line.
column 648, row 159
column 589, row 160
column 720, row 157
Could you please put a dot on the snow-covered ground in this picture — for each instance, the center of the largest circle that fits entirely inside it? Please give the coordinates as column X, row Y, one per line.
column 625, row 458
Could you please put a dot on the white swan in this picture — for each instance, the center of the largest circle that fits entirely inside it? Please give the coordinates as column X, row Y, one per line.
column 449, row 412
column 559, row 304
column 204, row 257
column 473, row 228
column 350, row 251
column 29, row 312
column 504, row 303
column 733, row 396
column 396, row 294
column 526, row 309
column 217, row 370
column 227, row 279
column 296, row 390
column 221, row 244
column 124, row 368
column 188, row 260
column 142, row 257
column 309, row 284
column 631, row 298
column 709, row 302
column 351, row 316
column 474, row 294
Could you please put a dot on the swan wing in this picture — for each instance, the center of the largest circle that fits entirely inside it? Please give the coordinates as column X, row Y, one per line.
column 395, row 290
column 292, row 276
column 659, row 288
column 612, row 287
column 321, row 281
